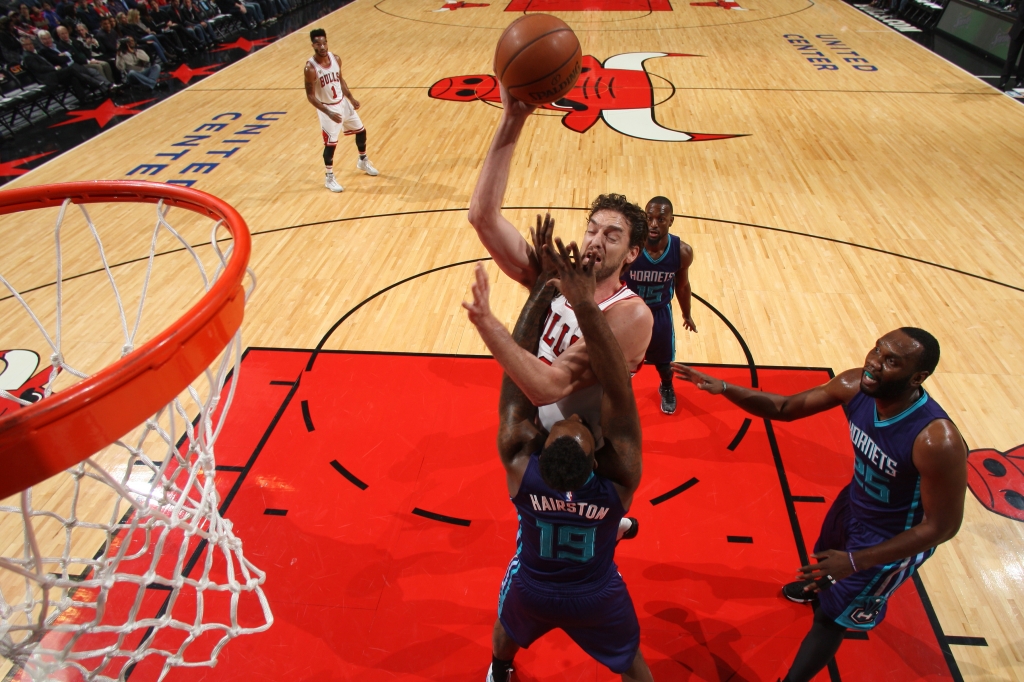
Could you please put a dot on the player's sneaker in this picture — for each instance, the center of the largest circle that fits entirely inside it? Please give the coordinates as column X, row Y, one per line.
column 367, row 167
column 794, row 592
column 668, row 399
column 490, row 675
column 634, row 528
column 332, row 184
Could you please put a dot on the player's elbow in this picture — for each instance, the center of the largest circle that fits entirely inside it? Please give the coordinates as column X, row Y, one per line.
column 479, row 217
column 951, row 529
column 546, row 394
column 943, row 530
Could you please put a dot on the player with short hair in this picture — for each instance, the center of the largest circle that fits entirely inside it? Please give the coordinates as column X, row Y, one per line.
column 557, row 375
column 662, row 268
column 571, row 505
column 328, row 92
column 906, row 496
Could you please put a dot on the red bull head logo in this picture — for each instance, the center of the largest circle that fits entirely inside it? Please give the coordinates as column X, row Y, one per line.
column 997, row 480
column 618, row 91
column 17, row 378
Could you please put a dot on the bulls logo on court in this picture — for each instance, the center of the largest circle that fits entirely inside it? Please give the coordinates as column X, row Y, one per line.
column 17, row 378
column 997, row 480
column 619, row 92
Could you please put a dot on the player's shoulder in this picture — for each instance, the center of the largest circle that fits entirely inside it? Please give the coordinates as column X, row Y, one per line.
column 630, row 310
column 685, row 251
column 941, row 437
column 845, row 385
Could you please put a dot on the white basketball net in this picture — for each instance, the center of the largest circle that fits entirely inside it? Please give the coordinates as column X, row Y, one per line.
column 126, row 555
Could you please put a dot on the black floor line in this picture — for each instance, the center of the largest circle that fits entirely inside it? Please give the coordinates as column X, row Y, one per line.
column 724, row 221
column 454, row 520
column 675, row 491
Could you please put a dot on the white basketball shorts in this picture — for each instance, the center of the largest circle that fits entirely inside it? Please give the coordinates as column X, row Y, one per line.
column 350, row 122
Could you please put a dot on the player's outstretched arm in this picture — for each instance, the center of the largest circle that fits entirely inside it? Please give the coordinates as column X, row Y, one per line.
column 518, row 435
column 620, row 421
column 838, row 391
column 543, row 384
column 940, row 455
column 500, row 237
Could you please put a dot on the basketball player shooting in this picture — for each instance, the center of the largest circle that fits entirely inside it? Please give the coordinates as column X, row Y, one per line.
column 557, row 374
column 328, row 92
column 571, row 508
column 906, row 496
column 662, row 269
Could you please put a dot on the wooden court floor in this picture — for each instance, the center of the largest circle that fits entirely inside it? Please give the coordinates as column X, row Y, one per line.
column 852, row 200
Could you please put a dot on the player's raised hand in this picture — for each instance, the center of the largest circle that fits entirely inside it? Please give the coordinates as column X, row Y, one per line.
column 542, row 236
column 576, row 279
column 702, row 381
column 514, row 107
column 480, row 309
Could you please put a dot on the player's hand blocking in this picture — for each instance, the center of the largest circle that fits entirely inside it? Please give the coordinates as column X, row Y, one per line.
column 480, row 309
column 541, row 236
column 576, row 279
column 702, row 381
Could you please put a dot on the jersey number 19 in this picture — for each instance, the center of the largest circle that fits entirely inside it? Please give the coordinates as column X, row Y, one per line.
column 570, row 537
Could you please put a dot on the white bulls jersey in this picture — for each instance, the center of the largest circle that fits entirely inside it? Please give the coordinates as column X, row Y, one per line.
column 328, row 81
column 561, row 330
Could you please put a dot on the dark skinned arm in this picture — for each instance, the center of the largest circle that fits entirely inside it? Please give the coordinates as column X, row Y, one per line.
column 682, row 284
column 517, row 431
column 837, row 391
column 940, row 456
column 620, row 421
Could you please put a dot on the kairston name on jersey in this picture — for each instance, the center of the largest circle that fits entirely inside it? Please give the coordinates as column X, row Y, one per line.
column 584, row 509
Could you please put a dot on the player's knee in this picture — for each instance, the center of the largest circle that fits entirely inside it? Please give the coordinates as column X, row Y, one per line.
column 639, row 670
column 328, row 155
column 503, row 646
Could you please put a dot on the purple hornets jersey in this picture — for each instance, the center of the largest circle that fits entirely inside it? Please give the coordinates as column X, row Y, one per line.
column 655, row 280
column 566, row 538
column 885, row 494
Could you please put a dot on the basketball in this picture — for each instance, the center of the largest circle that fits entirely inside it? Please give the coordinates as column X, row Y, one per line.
column 538, row 59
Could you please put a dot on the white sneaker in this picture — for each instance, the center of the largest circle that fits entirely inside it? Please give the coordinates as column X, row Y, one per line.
column 490, row 675
column 366, row 166
column 332, row 184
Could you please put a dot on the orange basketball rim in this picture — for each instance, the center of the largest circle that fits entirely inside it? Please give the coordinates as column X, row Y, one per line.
column 58, row 432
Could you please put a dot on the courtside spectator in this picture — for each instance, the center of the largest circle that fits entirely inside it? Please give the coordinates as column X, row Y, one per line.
column 64, row 44
column 135, row 66
column 50, row 75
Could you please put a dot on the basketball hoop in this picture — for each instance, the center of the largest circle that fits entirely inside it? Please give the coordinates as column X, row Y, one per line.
column 123, row 459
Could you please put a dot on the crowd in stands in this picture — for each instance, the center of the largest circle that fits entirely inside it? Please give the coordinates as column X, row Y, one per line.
column 92, row 47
